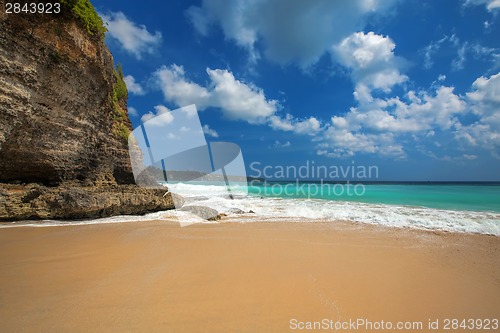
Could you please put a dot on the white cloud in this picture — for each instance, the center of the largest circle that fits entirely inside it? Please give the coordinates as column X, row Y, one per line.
column 485, row 97
column 309, row 125
column 464, row 50
column 234, row 18
column 360, row 50
column 178, row 89
column 282, row 124
column 199, row 19
column 431, row 111
column 478, row 52
column 172, row 136
column 340, row 143
column 434, row 46
column 488, row 53
column 479, row 136
column 484, row 101
column 132, row 111
column 159, row 110
column 237, row 100
column 210, row 132
column 458, row 63
column 376, row 125
column 147, row 116
column 491, row 5
column 385, row 126
column 371, row 59
column 133, row 38
column 132, row 86
column 301, row 33
column 278, row 144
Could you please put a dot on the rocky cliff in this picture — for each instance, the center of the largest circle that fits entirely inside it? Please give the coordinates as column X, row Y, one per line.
column 63, row 120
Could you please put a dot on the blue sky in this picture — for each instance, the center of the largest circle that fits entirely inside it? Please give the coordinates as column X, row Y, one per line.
column 410, row 86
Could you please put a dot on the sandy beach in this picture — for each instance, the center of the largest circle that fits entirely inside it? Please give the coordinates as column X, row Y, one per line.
column 232, row 277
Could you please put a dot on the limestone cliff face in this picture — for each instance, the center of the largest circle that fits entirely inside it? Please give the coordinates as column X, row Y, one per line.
column 58, row 120
column 63, row 123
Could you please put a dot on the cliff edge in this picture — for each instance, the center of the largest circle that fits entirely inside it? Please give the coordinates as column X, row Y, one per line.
column 63, row 120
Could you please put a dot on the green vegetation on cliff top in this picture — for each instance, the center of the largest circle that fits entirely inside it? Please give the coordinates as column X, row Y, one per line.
column 85, row 13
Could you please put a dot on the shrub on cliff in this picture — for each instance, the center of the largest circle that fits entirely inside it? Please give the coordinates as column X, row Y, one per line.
column 120, row 95
column 121, row 87
column 122, row 131
column 85, row 13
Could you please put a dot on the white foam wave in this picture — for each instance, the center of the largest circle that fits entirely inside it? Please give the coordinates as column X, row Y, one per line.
column 182, row 217
column 192, row 190
column 315, row 209
column 252, row 208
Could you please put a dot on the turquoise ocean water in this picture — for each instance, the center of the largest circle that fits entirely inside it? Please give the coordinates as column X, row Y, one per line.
column 452, row 196
column 455, row 207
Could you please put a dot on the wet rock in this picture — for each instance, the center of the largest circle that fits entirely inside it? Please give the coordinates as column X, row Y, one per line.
column 206, row 213
column 19, row 202
column 236, row 211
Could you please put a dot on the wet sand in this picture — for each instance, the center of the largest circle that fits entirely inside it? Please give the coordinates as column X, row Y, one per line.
column 231, row 277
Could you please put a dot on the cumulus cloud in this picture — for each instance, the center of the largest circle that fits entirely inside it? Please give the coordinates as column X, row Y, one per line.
column 288, row 123
column 371, row 59
column 210, row 132
column 300, row 32
column 484, row 100
column 237, row 100
column 159, row 110
column 376, row 123
column 133, row 38
column 439, row 110
column 341, row 143
column 480, row 136
column 290, row 30
column 178, row 89
column 386, row 126
column 485, row 96
column 132, row 86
